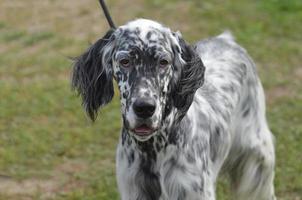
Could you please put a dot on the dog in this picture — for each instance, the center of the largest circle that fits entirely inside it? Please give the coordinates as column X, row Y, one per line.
column 190, row 113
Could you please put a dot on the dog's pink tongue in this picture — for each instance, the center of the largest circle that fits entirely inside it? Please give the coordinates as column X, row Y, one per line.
column 143, row 130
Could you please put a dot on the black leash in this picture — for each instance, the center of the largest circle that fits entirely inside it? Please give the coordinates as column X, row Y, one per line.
column 107, row 15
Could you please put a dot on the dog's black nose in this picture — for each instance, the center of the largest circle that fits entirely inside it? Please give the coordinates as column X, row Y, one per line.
column 144, row 107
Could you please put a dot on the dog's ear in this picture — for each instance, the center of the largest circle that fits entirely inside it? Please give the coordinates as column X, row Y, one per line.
column 92, row 75
column 189, row 75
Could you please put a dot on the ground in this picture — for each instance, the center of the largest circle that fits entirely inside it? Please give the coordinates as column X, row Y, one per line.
column 48, row 147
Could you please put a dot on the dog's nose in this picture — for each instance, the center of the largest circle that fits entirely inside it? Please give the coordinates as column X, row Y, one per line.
column 144, row 107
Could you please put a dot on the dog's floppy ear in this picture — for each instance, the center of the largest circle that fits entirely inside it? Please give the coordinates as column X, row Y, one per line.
column 92, row 75
column 189, row 76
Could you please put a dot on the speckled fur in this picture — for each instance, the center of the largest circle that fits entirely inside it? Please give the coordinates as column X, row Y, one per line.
column 209, row 117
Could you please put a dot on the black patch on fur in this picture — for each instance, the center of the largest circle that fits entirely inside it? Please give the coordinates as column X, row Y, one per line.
column 246, row 112
column 214, row 142
column 182, row 194
column 146, row 178
column 131, row 157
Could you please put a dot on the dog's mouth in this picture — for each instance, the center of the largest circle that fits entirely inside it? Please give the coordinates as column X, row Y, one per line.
column 143, row 130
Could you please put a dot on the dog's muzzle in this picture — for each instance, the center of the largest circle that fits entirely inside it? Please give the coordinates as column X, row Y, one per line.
column 144, row 109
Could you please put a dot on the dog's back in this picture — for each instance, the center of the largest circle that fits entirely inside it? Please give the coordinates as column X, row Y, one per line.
column 233, row 100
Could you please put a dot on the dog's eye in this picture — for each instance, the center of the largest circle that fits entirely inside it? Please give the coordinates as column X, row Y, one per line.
column 125, row 62
column 163, row 63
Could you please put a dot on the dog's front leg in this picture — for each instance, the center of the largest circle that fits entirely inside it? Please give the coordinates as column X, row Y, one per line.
column 126, row 170
column 186, row 181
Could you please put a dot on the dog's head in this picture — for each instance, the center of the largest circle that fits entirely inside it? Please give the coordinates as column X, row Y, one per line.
column 155, row 70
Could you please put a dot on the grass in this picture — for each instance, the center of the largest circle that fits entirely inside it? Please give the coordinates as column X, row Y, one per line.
column 48, row 147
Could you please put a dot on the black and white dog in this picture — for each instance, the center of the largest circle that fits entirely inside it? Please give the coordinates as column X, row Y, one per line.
column 189, row 113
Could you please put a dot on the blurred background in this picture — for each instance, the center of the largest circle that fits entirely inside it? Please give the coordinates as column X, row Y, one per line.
column 48, row 147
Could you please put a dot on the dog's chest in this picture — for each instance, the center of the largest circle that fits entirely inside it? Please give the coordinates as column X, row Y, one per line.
column 140, row 168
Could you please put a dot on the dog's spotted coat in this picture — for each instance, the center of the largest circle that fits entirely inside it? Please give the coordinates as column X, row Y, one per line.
column 209, row 116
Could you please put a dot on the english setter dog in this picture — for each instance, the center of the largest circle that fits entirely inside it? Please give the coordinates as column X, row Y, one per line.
column 190, row 113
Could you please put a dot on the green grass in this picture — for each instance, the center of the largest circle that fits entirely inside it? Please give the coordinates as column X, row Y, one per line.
column 48, row 147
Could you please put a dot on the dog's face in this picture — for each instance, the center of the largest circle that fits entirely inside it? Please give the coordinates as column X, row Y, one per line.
column 143, row 69
column 151, row 66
